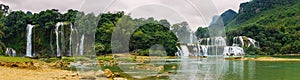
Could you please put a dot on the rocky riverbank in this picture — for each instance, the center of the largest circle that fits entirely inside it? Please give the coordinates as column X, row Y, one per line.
column 48, row 71
column 13, row 68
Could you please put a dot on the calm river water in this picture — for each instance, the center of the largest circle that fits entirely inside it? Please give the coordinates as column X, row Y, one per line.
column 216, row 68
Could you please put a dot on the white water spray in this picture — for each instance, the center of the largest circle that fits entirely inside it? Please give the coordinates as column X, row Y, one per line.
column 57, row 36
column 185, row 51
column 29, row 42
column 81, row 48
column 70, row 44
column 242, row 39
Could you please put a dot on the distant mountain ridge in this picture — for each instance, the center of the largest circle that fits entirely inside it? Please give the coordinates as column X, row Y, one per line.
column 228, row 16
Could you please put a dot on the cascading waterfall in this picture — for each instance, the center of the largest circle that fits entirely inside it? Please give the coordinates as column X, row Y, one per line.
column 29, row 42
column 215, row 44
column 81, row 48
column 70, row 44
column 185, row 51
column 252, row 41
column 242, row 40
column 219, row 41
column 57, row 36
column 204, row 49
column 207, row 41
column 61, row 46
column 179, row 51
column 233, row 50
column 14, row 53
column 10, row 52
column 203, row 46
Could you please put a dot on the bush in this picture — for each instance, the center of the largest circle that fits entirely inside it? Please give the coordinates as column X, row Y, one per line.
column 143, row 52
column 68, row 59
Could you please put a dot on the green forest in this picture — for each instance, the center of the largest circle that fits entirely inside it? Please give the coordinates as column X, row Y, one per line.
column 141, row 32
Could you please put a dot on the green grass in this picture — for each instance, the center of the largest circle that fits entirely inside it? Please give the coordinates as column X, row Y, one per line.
column 105, row 58
column 68, row 59
column 14, row 59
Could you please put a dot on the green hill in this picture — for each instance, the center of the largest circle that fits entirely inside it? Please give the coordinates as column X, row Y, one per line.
column 274, row 23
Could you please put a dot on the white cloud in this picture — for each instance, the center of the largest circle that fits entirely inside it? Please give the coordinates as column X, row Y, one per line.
column 165, row 9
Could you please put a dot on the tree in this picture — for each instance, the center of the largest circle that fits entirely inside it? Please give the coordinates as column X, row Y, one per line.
column 151, row 34
column 4, row 8
column 202, row 32
column 15, row 30
column 165, row 23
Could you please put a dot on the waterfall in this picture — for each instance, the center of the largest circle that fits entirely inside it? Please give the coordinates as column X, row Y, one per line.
column 70, row 44
column 10, row 52
column 81, row 45
column 179, row 51
column 216, row 46
column 57, row 36
column 29, row 43
column 204, row 49
column 207, row 41
column 220, row 41
column 252, row 41
column 14, row 53
column 185, row 51
column 242, row 40
column 228, row 50
column 234, row 43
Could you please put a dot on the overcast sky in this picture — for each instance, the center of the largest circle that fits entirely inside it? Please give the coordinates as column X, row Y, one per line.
column 195, row 12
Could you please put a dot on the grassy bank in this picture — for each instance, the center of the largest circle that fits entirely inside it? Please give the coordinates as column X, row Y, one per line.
column 15, row 59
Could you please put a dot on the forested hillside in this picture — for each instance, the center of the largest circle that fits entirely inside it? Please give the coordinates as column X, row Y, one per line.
column 274, row 23
column 140, row 31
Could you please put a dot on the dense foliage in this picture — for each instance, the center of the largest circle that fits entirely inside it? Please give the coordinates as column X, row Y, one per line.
column 202, row 32
column 274, row 23
column 141, row 33
column 249, row 9
column 104, row 25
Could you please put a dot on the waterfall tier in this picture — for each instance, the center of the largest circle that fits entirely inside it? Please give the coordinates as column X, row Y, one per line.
column 216, row 46
column 29, row 41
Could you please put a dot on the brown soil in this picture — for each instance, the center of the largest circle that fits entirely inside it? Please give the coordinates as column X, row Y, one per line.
column 9, row 73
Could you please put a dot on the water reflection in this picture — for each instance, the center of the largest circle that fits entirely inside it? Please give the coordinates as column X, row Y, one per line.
column 216, row 68
column 199, row 68
column 238, row 70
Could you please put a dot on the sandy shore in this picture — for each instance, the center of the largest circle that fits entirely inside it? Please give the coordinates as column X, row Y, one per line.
column 271, row 59
column 8, row 73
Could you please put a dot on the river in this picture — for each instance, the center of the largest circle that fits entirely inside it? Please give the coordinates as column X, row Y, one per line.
column 216, row 68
